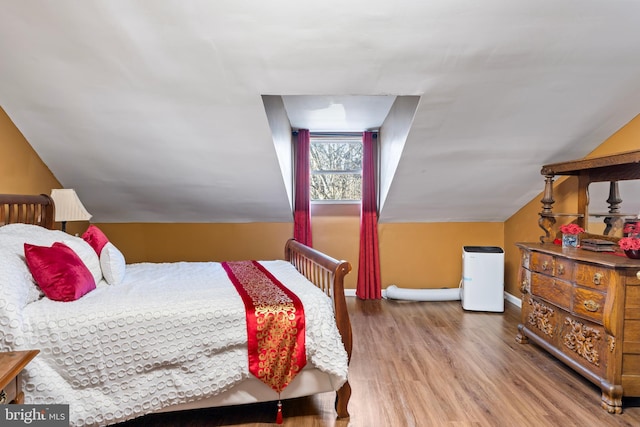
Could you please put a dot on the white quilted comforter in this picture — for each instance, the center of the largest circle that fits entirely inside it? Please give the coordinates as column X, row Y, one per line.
column 169, row 334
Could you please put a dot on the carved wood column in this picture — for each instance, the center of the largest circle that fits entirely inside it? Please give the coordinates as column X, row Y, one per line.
column 547, row 221
column 613, row 222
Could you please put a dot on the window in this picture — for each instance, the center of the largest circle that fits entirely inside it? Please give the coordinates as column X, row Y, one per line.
column 335, row 167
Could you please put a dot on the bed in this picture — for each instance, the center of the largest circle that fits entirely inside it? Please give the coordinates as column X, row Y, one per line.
column 165, row 336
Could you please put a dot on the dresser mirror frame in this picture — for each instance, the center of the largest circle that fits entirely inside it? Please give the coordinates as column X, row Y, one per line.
column 612, row 168
column 619, row 198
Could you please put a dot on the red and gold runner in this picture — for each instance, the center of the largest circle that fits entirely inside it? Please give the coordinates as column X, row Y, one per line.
column 275, row 324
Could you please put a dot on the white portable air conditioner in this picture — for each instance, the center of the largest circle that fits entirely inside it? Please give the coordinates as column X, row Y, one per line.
column 482, row 278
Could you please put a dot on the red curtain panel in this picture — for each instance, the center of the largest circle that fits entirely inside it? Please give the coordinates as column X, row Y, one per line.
column 301, row 214
column 369, row 286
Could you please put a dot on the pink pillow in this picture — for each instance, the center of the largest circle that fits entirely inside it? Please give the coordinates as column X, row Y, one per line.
column 58, row 271
column 96, row 238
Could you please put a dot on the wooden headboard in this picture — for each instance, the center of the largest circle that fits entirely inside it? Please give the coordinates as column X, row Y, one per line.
column 27, row 209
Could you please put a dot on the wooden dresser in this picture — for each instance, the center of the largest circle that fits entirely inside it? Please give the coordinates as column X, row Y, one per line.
column 584, row 308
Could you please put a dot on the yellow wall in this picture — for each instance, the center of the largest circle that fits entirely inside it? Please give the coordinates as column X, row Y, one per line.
column 429, row 255
column 412, row 255
column 21, row 169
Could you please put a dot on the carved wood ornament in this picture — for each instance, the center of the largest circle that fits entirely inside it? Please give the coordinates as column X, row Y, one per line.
column 541, row 316
column 582, row 339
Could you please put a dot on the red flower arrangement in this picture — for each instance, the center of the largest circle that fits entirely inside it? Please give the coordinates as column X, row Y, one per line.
column 571, row 229
column 631, row 241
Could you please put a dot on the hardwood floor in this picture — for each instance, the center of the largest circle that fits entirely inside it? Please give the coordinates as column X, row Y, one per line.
column 433, row 364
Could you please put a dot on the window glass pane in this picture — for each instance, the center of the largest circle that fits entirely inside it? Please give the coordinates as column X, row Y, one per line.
column 331, row 186
column 336, row 156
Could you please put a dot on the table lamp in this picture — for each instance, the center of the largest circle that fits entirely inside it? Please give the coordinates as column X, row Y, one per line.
column 68, row 207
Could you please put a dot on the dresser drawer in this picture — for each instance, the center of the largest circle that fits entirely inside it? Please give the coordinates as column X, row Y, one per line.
column 555, row 291
column 548, row 264
column 10, row 391
column 541, row 263
column 593, row 276
column 589, row 304
column 563, row 268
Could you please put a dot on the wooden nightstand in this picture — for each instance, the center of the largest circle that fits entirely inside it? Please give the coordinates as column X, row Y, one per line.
column 11, row 365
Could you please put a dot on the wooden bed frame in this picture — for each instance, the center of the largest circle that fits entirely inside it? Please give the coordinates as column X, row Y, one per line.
column 328, row 274
column 322, row 270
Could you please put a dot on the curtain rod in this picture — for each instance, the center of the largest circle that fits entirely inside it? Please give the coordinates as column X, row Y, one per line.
column 358, row 134
column 295, row 131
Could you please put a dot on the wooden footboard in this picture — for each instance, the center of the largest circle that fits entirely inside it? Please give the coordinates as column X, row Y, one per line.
column 328, row 274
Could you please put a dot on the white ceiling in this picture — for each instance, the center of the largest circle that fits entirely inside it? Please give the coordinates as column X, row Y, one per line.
column 153, row 111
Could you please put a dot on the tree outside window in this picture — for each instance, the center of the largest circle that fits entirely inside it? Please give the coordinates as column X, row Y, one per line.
column 336, row 168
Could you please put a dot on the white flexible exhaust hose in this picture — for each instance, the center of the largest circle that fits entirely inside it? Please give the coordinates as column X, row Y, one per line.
column 445, row 294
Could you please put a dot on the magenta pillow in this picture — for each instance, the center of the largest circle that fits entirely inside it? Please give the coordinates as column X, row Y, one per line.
column 58, row 271
column 96, row 238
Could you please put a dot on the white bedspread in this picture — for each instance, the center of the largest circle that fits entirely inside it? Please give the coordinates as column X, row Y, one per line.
column 171, row 333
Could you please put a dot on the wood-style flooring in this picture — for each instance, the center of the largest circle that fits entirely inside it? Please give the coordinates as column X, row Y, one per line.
column 434, row 364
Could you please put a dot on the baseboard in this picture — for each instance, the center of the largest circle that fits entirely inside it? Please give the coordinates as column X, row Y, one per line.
column 352, row 293
column 513, row 299
column 507, row 296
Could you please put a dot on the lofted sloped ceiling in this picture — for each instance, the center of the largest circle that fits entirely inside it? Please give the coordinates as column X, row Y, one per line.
column 154, row 111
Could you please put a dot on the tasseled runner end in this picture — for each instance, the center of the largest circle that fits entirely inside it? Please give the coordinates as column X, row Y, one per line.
column 279, row 416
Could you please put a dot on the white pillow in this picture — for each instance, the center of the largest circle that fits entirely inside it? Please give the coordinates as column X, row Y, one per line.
column 88, row 256
column 113, row 264
column 12, row 238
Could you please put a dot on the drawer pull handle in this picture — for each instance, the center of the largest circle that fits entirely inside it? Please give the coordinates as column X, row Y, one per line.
column 3, row 397
column 591, row 305
column 638, row 274
column 561, row 269
column 545, row 266
column 597, row 278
